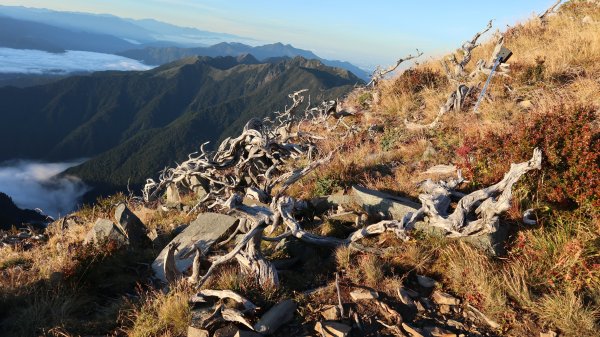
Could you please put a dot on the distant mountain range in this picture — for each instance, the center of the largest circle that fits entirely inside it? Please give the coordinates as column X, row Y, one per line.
column 132, row 124
column 162, row 55
column 150, row 41
column 140, row 32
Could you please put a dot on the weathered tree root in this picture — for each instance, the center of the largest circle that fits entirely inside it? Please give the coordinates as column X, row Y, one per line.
column 486, row 204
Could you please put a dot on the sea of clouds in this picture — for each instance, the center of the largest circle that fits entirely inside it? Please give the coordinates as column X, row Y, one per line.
column 40, row 62
column 34, row 185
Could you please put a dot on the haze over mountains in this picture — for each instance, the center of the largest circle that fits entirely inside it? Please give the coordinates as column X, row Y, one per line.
column 149, row 41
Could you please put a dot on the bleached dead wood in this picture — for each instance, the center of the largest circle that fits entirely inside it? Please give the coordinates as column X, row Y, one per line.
column 379, row 73
column 171, row 271
column 543, row 17
column 200, row 297
column 476, row 213
column 462, row 83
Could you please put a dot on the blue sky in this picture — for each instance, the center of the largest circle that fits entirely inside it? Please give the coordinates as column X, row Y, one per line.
column 364, row 32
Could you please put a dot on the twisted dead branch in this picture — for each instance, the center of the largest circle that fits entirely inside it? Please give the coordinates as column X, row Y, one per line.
column 379, row 73
column 464, row 84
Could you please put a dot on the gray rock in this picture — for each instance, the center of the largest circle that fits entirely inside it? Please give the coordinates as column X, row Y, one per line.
column 363, row 294
column 331, row 312
column 493, row 243
column 202, row 232
column 444, row 298
column 323, row 204
column 104, row 230
column 198, row 186
column 131, row 225
column 277, row 316
column 172, row 195
column 379, row 204
column 425, row 282
column 332, row 329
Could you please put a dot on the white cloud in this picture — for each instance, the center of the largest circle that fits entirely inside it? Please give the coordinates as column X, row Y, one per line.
column 35, row 185
column 41, row 62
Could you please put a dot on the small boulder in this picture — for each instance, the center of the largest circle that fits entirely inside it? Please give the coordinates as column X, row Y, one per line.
column 332, row 329
column 363, row 294
column 278, row 315
column 105, row 230
column 383, row 205
column 425, row 282
column 172, row 194
column 331, row 312
column 443, row 298
column 131, row 225
column 202, row 233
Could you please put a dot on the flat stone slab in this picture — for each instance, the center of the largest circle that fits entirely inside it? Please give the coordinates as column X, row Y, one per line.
column 202, row 232
column 384, row 205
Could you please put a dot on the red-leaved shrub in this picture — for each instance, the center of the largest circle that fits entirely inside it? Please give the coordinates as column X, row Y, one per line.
column 569, row 137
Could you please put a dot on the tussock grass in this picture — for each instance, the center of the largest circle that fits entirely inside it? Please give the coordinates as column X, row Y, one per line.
column 162, row 314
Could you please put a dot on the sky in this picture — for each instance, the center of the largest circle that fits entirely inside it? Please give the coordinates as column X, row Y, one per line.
column 366, row 33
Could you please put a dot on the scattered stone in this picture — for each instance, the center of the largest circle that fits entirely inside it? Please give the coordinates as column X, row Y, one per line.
column 226, row 331
column 202, row 232
column 332, row 329
column 363, row 294
column 444, row 309
column 131, row 225
column 444, row 298
column 441, row 170
column 435, row 331
column 195, row 332
column 277, row 316
column 483, row 317
column 383, row 205
column 526, row 104
column 548, row 333
column 172, row 194
column 200, row 187
column 323, row 204
column 587, row 19
column 331, row 312
column 412, row 331
column 425, row 282
column 103, row 230
column 406, row 296
column 455, row 324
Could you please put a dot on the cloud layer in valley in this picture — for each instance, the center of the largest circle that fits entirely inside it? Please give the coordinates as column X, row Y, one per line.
column 40, row 62
column 35, row 185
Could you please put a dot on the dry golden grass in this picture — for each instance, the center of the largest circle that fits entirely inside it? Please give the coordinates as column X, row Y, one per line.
column 162, row 314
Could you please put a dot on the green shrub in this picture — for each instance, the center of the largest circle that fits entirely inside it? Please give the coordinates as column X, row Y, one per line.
column 325, row 186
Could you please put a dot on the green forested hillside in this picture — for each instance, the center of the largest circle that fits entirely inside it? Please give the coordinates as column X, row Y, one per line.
column 134, row 123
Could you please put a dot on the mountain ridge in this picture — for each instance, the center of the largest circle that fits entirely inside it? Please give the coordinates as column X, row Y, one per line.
column 134, row 123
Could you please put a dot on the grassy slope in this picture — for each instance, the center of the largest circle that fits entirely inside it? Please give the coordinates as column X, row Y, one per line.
column 550, row 277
